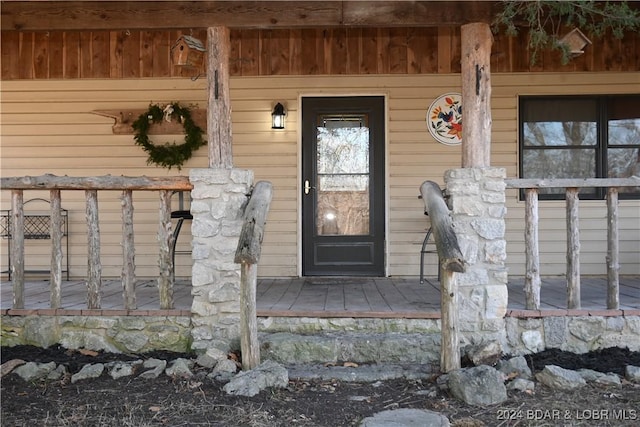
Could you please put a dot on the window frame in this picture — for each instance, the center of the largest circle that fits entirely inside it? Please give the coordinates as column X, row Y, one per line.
column 601, row 147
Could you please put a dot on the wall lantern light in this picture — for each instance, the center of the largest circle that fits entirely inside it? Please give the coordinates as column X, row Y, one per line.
column 277, row 116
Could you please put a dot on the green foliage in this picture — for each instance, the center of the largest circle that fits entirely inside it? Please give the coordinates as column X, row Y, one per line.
column 546, row 19
column 168, row 154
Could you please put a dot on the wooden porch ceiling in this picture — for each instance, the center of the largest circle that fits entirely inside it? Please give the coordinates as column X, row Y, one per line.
column 105, row 15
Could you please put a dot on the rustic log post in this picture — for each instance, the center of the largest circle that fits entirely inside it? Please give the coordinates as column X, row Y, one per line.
column 17, row 247
column 476, row 39
column 165, row 239
column 446, row 241
column 573, row 250
column 219, row 102
column 450, row 341
column 532, row 271
column 613, row 250
column 451, row 260
column 248, row 255
column 94, row 268
column 128, row 252
column 56, row 248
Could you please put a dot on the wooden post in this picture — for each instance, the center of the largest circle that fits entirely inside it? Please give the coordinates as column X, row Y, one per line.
column 476, row 41
column 94, row 268
column 248, row 255
column 573, row 250
column 450, row 341
column 165, row 238
column 532, row 270
column 219, row 103
column 56, row 248
column 17, row 247
column 128, row 252
column 451, row 260
column 613, row 265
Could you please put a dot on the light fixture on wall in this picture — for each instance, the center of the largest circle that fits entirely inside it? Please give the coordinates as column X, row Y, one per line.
column 277, row 116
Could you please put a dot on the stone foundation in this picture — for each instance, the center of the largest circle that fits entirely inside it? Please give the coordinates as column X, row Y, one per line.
column 116, row 334
column 579, row 334
column 319, row 340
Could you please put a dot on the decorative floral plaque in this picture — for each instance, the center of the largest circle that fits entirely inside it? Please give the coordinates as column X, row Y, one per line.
column 444, row 119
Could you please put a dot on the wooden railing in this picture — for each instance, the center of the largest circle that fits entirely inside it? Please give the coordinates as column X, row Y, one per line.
column 91, row 185
column 572, row 186
column 450, row 261
column 248, row 255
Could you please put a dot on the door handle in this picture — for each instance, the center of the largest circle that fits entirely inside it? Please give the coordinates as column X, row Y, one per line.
column 307, row 187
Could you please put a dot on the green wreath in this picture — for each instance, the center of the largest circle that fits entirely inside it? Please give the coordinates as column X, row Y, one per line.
column 168, row 154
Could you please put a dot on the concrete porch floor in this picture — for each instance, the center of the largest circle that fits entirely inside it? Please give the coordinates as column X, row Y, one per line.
column 387, row 297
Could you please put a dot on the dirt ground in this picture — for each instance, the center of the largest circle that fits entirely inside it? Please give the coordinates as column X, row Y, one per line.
column 199, row 401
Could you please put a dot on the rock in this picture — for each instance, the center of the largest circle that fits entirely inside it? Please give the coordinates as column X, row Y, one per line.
column 211, row 357
column 485, row 354
column 599, row 377
column 559, row 378
column 87, row 372
column 250, row 383
column 226, row 365
column 123, row 369
column 521, row 384
column 406, row 418
column 480, row 385
column 532, row 340
column 32, row 371
column 57, row 373
column 9, row 366
column 632, row 373
column 515, row 367
column 155, row 366
column 224, row 370
column 442, row 382
column 206, row 361
column 180, row 368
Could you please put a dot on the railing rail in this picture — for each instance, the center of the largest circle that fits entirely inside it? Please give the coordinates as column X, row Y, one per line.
column 450, row 261
column 532, row 275
column 91, row 185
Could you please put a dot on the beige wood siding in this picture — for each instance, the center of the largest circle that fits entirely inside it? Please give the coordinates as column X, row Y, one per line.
column 48, row 127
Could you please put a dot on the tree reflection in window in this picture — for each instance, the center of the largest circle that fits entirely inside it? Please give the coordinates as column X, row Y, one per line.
column 342, row 175
column 580, row 137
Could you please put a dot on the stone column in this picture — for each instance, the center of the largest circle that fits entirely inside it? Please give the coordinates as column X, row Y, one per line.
column 218, row 199
column 477, row 201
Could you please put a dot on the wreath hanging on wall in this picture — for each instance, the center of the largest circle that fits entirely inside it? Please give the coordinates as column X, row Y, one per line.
column 168, row 154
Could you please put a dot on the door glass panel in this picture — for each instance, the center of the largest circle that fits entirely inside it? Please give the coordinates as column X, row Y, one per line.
column 342, row 175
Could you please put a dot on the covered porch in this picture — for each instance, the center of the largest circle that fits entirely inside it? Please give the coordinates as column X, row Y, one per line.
column 357, row 297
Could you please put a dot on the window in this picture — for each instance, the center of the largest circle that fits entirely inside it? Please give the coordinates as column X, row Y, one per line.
column 580, row 137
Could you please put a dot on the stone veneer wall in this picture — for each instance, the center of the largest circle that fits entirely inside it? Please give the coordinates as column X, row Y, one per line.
column 116, row 334
column 577, row 334
column 217, row 205
column 477, row 203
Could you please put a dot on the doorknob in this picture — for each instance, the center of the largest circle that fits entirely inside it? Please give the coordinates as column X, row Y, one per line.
column 307, row 187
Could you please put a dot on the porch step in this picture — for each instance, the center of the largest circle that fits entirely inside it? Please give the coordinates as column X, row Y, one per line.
column 359, row 347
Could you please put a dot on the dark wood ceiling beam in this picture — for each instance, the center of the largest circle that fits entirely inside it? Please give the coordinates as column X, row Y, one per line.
column 109, row 15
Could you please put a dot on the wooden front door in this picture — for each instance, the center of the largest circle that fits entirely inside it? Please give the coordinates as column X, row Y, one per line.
column 343, row 224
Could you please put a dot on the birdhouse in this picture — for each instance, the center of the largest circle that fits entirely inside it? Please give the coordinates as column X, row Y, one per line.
column 576, row 41
column 188, row 51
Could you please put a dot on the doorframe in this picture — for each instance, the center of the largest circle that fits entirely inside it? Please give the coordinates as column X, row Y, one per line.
column 385, row 95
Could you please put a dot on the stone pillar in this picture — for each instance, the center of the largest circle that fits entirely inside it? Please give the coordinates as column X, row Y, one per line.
column 218, row 199
column 477, row 201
